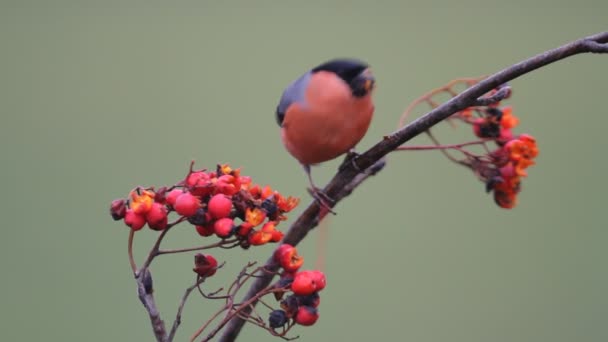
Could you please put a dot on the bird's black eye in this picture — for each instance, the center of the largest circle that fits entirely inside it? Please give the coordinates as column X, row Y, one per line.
column 280, row 115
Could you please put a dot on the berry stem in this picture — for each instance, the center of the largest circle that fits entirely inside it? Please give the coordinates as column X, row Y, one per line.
column 130, row 251
column 199, row 248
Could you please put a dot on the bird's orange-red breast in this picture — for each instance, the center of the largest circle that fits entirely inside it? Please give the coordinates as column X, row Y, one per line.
column 327, row 111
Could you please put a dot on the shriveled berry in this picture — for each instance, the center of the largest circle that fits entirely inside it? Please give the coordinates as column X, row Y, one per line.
column 223, row 227
column 157, row 216
column 290, row 305
column 307, row 315
column 277, row 319
column 133, row 220
column 219, row 206
column 199, row 218
column 269, row 206
column 205, row 265
column 118, row 209
column 312, row 300
column 186, row 204
column 161, row 195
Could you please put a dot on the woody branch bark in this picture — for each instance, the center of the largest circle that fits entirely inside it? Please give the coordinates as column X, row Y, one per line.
column 349, row 175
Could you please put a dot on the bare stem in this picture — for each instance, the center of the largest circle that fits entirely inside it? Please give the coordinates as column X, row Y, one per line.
column 178, row 317
column 130, row 251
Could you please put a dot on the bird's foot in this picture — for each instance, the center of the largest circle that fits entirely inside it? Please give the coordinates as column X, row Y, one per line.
column 350, row 159
column 325, row 202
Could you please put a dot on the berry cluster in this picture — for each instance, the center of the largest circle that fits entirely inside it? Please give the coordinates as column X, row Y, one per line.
column 501, row 169
column 221, row 202
column 300, row 307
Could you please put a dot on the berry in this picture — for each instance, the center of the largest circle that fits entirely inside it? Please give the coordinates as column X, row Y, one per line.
column 199, row 218
column 161, row 195
column 307, row 316
column 172, row 196
column 244, row 229
column 259, row 237
column 277, row 319
column 157, row 216
column 205, row 230
column 303, row 283
column 133, row 220
column 319, row 278
column 199, row 183
column 290, row 260
column 227, row 185
column 141, row 201
column 186, row 204
column 118, row 209
column 219, row 206
column 223, row 227
column 205, row 265
column 278, row 253
column 311, row 300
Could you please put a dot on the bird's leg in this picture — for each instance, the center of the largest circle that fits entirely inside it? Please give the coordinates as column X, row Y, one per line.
column 351, row 158
column 318, row 194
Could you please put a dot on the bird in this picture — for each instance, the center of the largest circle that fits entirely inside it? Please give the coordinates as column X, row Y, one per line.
column 325, row 112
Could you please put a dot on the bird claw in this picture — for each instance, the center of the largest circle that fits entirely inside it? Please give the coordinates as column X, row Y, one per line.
column 325, row 202
column 350, row 158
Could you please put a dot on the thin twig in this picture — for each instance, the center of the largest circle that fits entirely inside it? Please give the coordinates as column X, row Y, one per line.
column 178, row 316
column 130, row 251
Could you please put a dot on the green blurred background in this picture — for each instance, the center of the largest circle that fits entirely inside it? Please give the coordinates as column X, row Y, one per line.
column 97, row 97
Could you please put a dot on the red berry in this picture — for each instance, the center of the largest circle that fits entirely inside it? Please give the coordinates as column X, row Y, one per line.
column 118, row 209
column 157, row 216
column 227, row 185
column 133, row 220
column 244, row 229
column 161, row 195
column 303, row 284
column 277, row 236
column 199, row 183
column 205, row 230
column 205, row 265
column 186, row 204
column 223, row 227
column 319, row 278
column 290, row 260
column 307, row 315
column 172, row 196
column 219, row 206
column 278, row 253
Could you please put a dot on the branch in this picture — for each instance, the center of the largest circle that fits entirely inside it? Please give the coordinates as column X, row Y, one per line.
column 469, row 97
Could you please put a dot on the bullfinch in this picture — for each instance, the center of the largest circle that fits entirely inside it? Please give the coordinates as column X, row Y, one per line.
column 326, row 112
